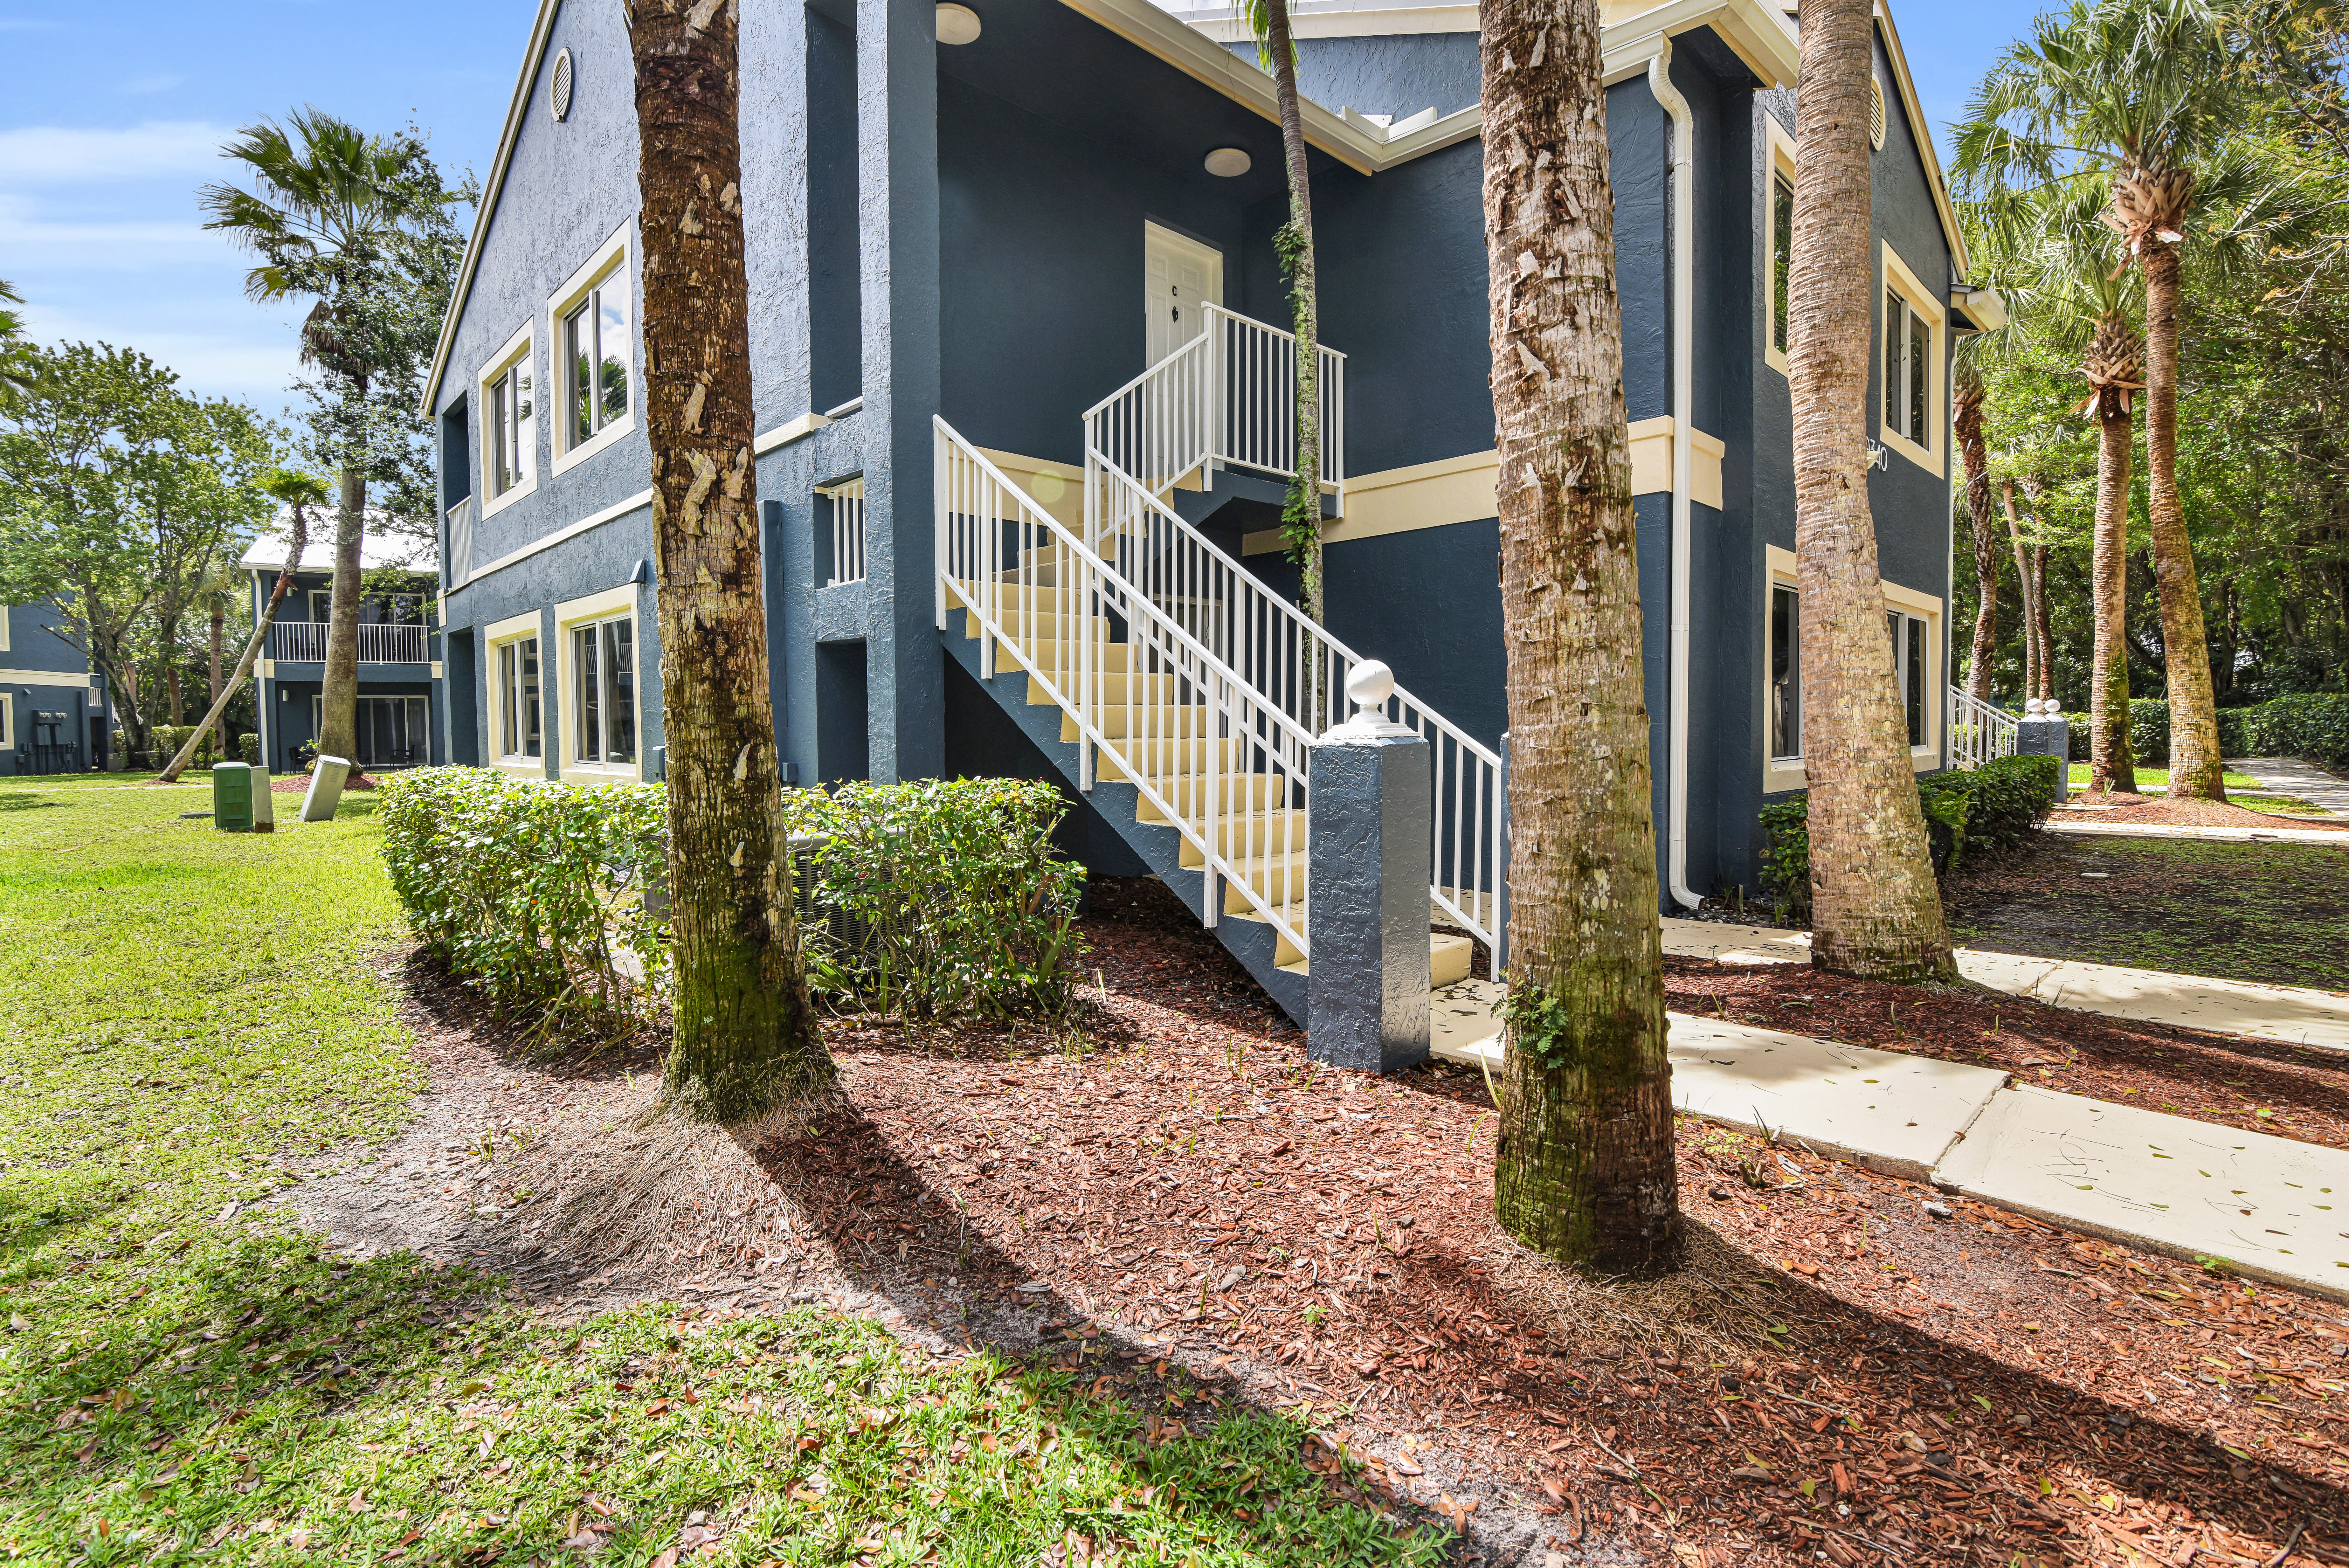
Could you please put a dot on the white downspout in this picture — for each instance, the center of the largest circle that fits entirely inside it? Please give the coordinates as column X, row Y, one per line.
column 1660, row 82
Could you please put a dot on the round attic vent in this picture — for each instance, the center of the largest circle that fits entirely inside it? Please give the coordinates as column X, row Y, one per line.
column 1876, row 112
column 558, row 91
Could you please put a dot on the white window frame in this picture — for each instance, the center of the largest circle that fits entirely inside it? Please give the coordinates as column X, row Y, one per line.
column 1930, row 453
column 495, row 638
column 7, row 613
column 611, row 261
column 1778, row 163
column 8, row 721
column 1783, row 773
column 594, row 609
column 519, row 349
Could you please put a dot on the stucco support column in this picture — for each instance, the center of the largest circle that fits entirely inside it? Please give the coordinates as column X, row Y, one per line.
column 2046, row 734
column 1373, row 802
column 897, row 229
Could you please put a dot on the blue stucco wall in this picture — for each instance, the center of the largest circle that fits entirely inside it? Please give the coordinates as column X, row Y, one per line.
column 1398, row 75
column 36, row 649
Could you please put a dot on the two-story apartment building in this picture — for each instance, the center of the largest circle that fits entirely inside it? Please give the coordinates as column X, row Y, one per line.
column 53, row 711
column 1020, row 380
column 402, row 722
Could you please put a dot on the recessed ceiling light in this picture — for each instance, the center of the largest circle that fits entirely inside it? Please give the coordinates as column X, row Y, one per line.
column 1229, row 162
column 958, row 25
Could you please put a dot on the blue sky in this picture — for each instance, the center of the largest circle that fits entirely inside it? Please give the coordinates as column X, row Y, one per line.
column 116, row 111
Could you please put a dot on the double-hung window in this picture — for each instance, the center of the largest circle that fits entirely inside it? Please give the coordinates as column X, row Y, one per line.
column 519, row 719
column 509, row 404
column 1914, row 405
column 1786, row 696
column 595, row 360
column 603, row 666
column 1911, row 661
column 1782, row 252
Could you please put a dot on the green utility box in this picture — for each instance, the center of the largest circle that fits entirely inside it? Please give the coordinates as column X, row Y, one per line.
column 232, row 798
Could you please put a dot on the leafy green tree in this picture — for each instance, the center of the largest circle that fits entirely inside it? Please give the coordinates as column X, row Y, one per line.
column 15, row 369
column 361, row 225
column 120, row 498
column 2135, row 96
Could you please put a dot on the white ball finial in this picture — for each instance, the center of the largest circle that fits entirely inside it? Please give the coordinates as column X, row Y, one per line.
column 1370, row 685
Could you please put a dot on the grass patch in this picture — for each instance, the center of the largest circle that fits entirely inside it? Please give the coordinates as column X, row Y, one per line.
column 2158, row 778
column 189, row 1011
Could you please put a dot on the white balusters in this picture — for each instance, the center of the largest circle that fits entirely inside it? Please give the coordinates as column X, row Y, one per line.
column 1978, row 732
column 847, row 530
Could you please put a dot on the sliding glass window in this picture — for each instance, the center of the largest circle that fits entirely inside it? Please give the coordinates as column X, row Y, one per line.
column 604, row 662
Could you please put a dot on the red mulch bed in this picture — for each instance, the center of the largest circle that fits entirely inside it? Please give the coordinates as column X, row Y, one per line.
column 2259, row 1087
column 1892, row 1387
column 2203, row 814
column 299, row 784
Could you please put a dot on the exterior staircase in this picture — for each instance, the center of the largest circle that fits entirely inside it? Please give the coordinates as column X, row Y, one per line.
column 1182, row 693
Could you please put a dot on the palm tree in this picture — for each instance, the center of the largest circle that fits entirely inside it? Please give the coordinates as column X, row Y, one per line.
column 15, row 365
column 297, row 492
column 1300, row 518
column 2132, row 94
column 327, row 201
column 1584, row 1168
column 1875, row 910
column 1966, row 401
column 745, row 1041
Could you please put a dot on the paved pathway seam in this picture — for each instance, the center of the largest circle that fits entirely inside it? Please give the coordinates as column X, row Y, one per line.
column 2272, row 1207
column 2294, row 1015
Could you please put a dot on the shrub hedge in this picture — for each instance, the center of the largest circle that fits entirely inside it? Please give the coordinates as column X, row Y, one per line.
column 164, row 740
column 2311, row 725
column 926, row 900
column 248, row 747
column 1989, row 808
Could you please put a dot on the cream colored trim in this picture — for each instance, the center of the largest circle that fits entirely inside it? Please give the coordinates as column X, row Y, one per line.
column 513, row 628
column 782, row 435
column 1754, row 33
column 7, row 719
column 47, row 678
column 570, row 531
column 1898, row 278
column 609, row 605
column 5, row 619
column 1919, row 133
column 1316, row 19
column 1780, row 161
column 610, row 256
column 1462, row 489
column 521, row 346
column 265, row 670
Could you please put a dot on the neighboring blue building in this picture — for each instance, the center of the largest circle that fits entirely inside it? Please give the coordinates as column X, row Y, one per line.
column 52, row 713
column 401, row 723
column 1011, row 265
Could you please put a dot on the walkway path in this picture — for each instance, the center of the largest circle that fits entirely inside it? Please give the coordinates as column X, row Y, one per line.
column 2089, row 826
column 2274, row 1209
column 2311, row 783
column 2317, row 1019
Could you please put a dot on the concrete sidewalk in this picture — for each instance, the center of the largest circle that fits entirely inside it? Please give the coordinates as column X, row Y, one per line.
column 2316, row 1019
column 2286, row 776
column 2272, row 1207
column 2338, row 838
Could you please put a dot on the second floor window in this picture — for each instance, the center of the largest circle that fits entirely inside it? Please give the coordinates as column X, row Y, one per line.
column 512, row 429
column 1782, row 254
column 1908, row 370
column 595, row 360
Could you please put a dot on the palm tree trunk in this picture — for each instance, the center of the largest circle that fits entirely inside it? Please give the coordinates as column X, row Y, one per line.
column 746, row 1042
column 2112, row 768
column 219, row 629
column 1585, row 1168
column 2023, row 582
column 1875, row 909
column 1975, row 452
column 1301, row 517
column 2046, row 624
column 2195, row 769
column 338, row 692
column 300, row 537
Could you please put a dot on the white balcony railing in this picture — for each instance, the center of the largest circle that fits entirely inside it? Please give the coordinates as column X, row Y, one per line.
column 847, row 531
column 305, row 643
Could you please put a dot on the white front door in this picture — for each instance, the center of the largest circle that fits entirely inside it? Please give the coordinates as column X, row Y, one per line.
column 1179, row 275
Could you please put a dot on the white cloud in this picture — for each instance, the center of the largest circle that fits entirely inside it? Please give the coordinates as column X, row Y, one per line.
column 58, row 155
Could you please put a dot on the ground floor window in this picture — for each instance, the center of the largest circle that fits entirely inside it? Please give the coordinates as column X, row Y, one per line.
column 1911, row 660
column 392, row 731
column 518, row 699
column 1786, row 673
column 603, row 719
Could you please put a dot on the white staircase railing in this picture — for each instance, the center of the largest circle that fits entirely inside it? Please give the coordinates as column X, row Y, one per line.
column 1224, row 765
column 1978, row 731
column 1227, row 397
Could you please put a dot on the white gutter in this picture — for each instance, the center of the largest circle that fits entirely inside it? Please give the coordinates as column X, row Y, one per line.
column 1660, row 82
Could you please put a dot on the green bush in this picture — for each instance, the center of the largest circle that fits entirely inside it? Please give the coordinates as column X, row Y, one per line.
column 926, row 900
column 2311, row 725
column 957, row 901
column 164, row 741
column 248, row 746
column 530, row 889
column 1991, row 807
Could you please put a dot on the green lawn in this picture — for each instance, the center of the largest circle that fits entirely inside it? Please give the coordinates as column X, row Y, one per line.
column 2159, row 778
column 189, row 1009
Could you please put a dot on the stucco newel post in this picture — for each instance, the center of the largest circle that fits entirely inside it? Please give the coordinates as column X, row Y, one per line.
column 2044, row 731
column 1372, row 792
